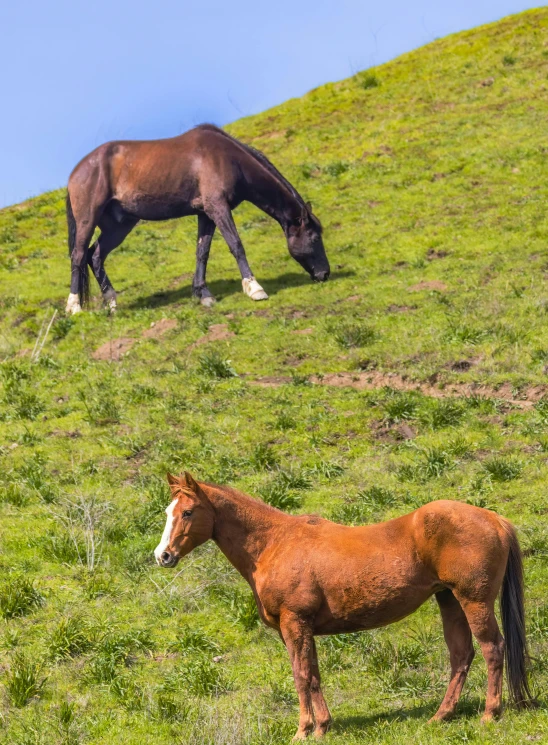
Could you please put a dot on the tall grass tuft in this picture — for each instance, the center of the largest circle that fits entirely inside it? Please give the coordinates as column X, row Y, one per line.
column 18, row 596
column 503, row 469
column 24, row 680
column 350, row 334
column 70, row 638
column 367, row 504
column 200, row 676
column 400, row 407
column 214, row 365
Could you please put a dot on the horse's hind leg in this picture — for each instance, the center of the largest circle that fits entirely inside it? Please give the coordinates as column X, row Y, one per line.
column 483, row 622
column 206, row 229
column 458, row 637
column 87, row 197
column 113, row 232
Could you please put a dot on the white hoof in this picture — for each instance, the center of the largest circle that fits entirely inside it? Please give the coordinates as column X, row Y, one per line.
column 207, row 302
column 253, row 289
column 111, row 305
column 73, row 304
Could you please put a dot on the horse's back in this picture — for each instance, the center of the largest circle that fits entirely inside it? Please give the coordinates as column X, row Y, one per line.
column 160, row 179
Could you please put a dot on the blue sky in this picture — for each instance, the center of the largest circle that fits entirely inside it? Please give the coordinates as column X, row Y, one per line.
column 76, row 74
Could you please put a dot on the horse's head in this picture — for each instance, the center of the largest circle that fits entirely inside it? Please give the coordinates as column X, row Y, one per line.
column 305, row 244
column 190, row 519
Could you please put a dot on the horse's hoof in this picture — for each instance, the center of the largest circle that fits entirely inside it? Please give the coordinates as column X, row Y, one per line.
column 439, row 718
column 73, row 304
column 253, row 289
column 111, row 305
column 207, row 302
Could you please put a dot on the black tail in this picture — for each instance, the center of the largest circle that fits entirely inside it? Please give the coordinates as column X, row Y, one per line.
column 512, row 609
column 83, row 284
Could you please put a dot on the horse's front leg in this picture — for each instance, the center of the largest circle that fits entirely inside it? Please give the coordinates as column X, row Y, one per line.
column 222, row 216
column 321, row 710
column 297, row 635
column 206, row 229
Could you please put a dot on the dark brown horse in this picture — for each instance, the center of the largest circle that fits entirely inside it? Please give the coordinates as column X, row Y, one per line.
column 204, row 172
column 312, row 577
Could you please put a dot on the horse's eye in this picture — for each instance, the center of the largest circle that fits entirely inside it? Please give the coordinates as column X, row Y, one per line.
column 187, row 513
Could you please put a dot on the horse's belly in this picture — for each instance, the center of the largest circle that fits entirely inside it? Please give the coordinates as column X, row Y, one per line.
column 375, row 597
column 370, row 614
column 151, row 207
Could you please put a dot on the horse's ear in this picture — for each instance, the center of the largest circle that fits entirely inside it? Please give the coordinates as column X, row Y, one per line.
column 189, row 482
column 172, row 480
column 309, row 206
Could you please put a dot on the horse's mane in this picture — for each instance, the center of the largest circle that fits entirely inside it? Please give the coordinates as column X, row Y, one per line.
column 270, row 167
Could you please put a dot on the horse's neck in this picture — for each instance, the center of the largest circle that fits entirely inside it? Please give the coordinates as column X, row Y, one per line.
column 243, row 526
column 273, row 197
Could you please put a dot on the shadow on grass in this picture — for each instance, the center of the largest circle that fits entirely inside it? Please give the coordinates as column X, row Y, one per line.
column 468, row 709
column 224, row 288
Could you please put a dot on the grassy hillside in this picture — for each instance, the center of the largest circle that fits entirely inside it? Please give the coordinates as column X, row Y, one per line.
column 417, row 372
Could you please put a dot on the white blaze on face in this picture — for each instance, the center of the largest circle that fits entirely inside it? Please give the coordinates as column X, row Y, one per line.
column 166, row 535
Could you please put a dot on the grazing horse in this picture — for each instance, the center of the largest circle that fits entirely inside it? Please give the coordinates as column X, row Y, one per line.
column 204, row 172
column 311, row 577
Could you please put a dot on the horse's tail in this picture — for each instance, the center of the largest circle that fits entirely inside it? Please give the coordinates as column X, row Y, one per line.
column 512, row 609
column 83, row 285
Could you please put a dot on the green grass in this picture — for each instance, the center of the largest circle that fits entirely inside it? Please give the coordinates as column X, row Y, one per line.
column 431, row 190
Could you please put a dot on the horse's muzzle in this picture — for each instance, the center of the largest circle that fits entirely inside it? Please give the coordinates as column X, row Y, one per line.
column 321, row 276
column 168, row 560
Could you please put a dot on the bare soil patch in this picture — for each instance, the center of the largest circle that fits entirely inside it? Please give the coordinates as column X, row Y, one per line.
column 432, row 284
column 159, row 328
column 216, row 332
column 303, row 332
column 374, row 380
column 401, row 308
column 113, row 350
column 433, row 254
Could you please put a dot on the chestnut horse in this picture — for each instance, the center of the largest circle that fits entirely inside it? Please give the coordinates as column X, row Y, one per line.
column 204, row 172
column 311, row 577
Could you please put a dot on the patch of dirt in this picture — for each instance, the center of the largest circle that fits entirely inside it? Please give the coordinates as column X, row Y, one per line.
column 303, row 332
column 406, row 432
column 462, row 365
column 401, row 308
column 216, row 332
column 294, row 360
column 433, row 254
column 374, row 380
column 354, row 298
column 158, row 328
column 392, row 433
column 271, row 381
column 486, row 83
column 296, row 314
column 113, row 350
column 367, row 364
column 432, row 284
